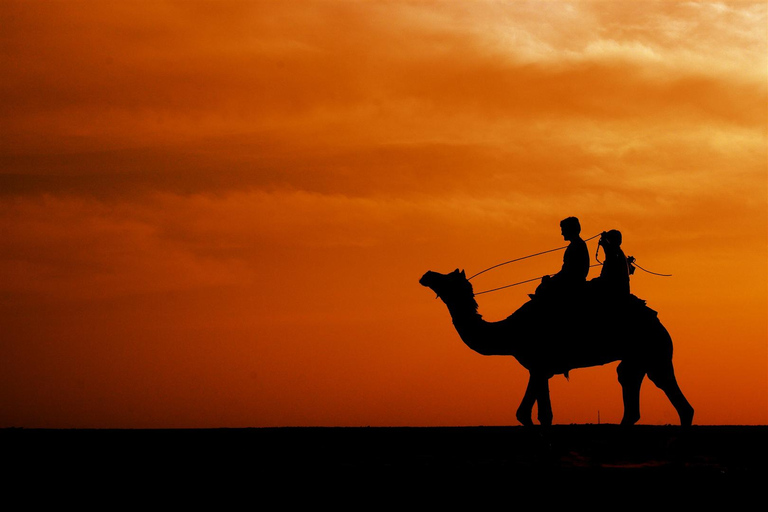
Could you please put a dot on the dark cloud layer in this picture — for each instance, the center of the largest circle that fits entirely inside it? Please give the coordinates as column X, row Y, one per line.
column 331, row 98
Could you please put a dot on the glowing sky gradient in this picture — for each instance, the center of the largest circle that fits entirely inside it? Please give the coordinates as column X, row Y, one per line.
column 215, row 214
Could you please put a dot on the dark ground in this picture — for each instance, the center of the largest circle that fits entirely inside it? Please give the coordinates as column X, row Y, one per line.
column 449, row 465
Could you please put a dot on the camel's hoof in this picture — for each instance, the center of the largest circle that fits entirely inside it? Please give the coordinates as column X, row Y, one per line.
column 686, row 417
column 524, row 421
column 628, row 421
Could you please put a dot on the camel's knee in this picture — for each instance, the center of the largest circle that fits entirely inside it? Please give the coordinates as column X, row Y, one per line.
column 629, row 375
column 662, row 372
column 664, row 380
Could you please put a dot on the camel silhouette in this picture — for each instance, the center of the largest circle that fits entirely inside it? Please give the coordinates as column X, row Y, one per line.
column 550, row 338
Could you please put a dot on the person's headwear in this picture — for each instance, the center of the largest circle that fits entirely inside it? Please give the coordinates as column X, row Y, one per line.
column 613, row 237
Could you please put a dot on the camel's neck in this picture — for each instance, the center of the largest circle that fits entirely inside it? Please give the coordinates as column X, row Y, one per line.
column 487, row 338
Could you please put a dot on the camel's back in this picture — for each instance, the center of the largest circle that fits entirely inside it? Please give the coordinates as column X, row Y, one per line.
column 563, row 334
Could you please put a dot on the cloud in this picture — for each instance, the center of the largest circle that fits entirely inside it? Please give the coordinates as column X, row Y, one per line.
column 328, row 99
column 75, row 249
column 202, row 71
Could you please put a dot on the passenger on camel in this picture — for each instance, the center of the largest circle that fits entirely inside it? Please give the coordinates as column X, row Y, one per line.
column 614, row 276
column 573, row 274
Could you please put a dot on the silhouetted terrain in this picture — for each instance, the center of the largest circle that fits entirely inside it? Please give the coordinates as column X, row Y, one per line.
column 391, row 462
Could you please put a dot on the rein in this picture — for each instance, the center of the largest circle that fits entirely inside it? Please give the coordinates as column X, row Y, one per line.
column 529, row 256
column 523, row 282
column 634, row 264
column 631, row 261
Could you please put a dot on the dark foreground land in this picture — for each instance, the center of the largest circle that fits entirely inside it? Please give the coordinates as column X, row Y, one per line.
column 298, row 463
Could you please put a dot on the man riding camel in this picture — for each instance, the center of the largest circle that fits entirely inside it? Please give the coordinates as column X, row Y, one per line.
column 573, row 274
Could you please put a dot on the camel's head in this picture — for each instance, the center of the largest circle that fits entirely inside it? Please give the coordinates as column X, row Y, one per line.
column 449, row 287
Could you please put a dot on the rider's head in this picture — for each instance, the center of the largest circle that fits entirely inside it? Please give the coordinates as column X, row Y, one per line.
column 614, row 237
column 570, row 228
column 611, row 239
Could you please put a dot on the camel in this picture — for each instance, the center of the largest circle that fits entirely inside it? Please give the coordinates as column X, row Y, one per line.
column 550, row 338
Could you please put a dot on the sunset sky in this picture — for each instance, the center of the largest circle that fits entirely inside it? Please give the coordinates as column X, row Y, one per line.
column 216, row 214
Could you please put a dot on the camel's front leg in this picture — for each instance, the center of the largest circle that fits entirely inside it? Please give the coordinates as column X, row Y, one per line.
column 631, row 378
column 537, row 391
column 545, row 406
column 526, row 405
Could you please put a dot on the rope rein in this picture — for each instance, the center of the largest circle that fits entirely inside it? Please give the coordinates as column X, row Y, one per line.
column 526, row 281
column 529, row 256
column 634, row 263
column 630, row 260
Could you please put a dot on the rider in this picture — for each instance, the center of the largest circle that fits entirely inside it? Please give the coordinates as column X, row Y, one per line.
column 575, row 268
column 614, row 276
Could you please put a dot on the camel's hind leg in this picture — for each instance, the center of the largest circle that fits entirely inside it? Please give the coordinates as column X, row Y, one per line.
column 631, row 378
column 664, row 377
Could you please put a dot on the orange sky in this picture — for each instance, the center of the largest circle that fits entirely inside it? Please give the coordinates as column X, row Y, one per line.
column 215, row 214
